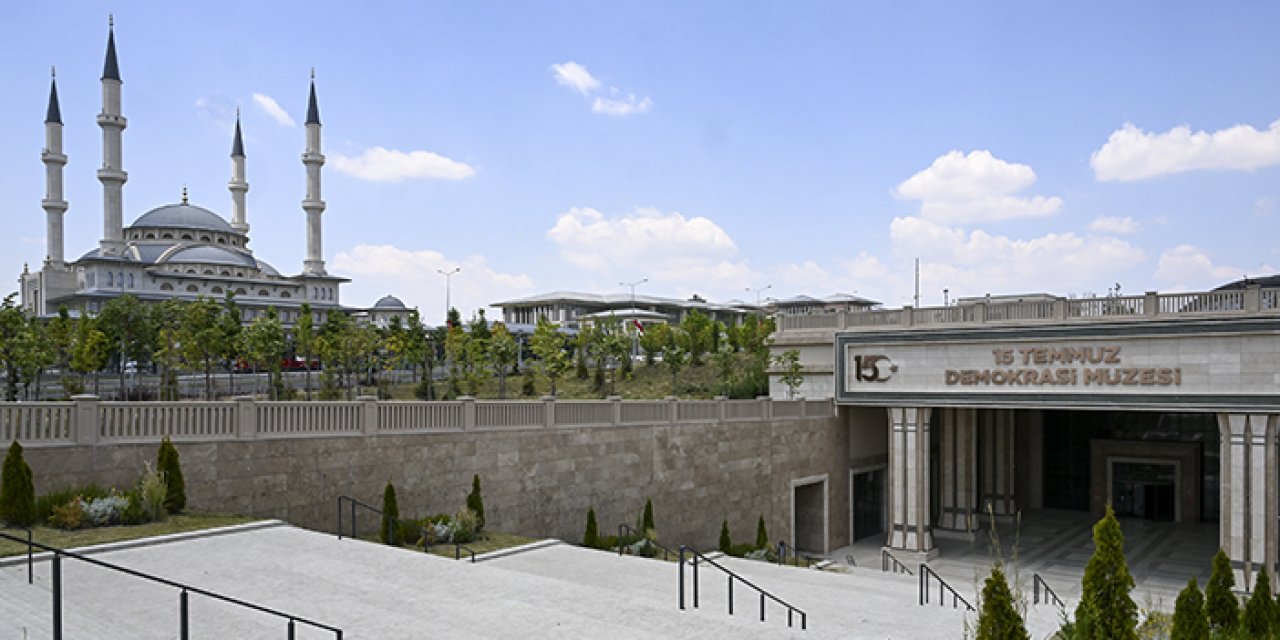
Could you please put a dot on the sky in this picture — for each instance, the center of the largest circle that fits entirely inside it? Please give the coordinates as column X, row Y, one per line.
column 732, row 150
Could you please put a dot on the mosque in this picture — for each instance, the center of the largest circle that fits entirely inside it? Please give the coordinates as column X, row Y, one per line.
column 180, row 250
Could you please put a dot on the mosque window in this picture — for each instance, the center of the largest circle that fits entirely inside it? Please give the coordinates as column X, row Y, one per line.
column 166, row 287
column 111, row 279
column 241, row 292
column 191, row 271
column 208, row 272
column 239, row 274
column 187, row 236
column 205, row 238
column 166, row 236
column 285, row 294
column 191, row 288
column 150, row 236
column 131, row 281
column 222, row 240
column 216, row 290
column 264, row 293
column 225, row 273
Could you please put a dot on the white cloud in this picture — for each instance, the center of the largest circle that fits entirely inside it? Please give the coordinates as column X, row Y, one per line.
column 1189, row 268
column 1109, row 224
column 272, row 108
column 1264, row 206
column 977, row 262
column 621, row 107
column 863, row 275
column 960, row 189
column 575, row 76
column 218, row 110
column 1133, row 154
column 667, row 247
column 378, row 164
column 410, row 275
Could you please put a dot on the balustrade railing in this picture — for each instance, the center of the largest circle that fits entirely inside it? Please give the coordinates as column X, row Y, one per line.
column 36, row 422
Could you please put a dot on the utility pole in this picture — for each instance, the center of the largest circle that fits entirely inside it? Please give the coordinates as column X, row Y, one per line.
column 758, row 291
column 635, row 336
column 448, row 291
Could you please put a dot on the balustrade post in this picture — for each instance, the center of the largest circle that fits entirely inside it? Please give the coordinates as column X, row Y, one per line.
column 1060, row 308
column 908, row 316
column 86, row 419
column 766, row 407
column 721, row 409
column 842, row 319
column 468, row 412
column 368, row 414
column 980, row 312
column 246, row 418
column 1253, row 297
column 1150, row 303
column 674, row 409
column 549, row 408
column 615, row 413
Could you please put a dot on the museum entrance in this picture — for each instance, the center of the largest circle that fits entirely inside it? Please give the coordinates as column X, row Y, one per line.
column 1145, row 490
column 867, row 495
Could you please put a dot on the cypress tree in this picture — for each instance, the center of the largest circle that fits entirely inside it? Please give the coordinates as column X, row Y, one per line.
column 167, row 463
column 1189, row 620
column 999, row 620
column 1221, row 605
column 17, row 490
column 1106, row 610
column 475, row 502
column 726, row 543
column 389, row 534
column 762, row 536
column 591, row 537
column 1260, row 611
column 646, row 522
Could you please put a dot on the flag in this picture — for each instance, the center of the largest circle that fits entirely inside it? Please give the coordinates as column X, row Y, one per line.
column 639, row 327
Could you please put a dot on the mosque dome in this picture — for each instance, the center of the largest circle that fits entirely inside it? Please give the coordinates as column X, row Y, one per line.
column 183, row 216
column 205, row 254
column 388, row 302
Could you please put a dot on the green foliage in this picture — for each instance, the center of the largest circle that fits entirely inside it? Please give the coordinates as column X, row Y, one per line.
column 741, row 549
column 45, row 502
column 17, row 489
column 169, row 465
column 1106, row 609
column 153, row 491
column 17, row 344
column 503, row 352
column 548, row 346
column 1260, row 611
column 726, row 542
column 762, row 536
column 591, row 537
column 999, row 619
column 646, row 521
column 526, row 386
column 475, row 502
column 1189, row 620
column 202, row 338
column 792, row 371
column 464, row 525
column 69, row 516
column 390, row 532
column 1221, row 605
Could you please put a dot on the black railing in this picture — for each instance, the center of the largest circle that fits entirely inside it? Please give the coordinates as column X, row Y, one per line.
column 698, row 557
column 1036, row 583
column 185, row 589
column 925, row 574
column 458, row 547
column 396, row 525
column 782, row 556
column 624, row 529
column 889, row 561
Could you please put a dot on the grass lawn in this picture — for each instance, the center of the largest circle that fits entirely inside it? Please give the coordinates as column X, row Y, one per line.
column 63, row 539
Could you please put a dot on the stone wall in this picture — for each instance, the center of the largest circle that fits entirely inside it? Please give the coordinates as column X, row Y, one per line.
column 536, row 481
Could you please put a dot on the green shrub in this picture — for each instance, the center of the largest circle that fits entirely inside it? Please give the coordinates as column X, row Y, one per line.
column 153, row 490
column 17, row 490
column 762, row 536
column 998, row 619
column 1106, row 609
column 390, row 531
column 475, row 502
column 167, row 463
column 1260, row 610
column 68, row 516
column 1220, row 604
column 527, row 388
column 591, row 537
column 1189, row 621
column 726, row 542
column 425, row 390
column 646, row 521
column 47, row 501
column 464, row 525
column 741, row 549
column 135, row 512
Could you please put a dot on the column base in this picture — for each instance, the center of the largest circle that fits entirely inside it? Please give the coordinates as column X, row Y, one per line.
column 912, row 558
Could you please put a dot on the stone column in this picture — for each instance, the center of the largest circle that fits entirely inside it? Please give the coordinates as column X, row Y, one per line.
column 958, row 468
column 1248, row 493
column 909, row 526
column 998, row 453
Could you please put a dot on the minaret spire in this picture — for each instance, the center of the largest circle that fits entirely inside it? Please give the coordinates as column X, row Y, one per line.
column 112, row 174
column 54, row 160
column 238, row 186
column 312, row 159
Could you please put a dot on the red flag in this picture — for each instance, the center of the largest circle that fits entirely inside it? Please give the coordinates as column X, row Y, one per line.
column 639, row 327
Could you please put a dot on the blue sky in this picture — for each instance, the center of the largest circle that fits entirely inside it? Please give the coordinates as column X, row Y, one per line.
column 710, row 147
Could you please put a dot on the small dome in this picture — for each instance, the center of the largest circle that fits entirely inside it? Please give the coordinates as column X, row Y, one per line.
column 183, row 216
column 213, row 255
column 388, row 302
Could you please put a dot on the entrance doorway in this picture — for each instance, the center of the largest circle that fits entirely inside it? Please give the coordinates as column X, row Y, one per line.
column 1145, row 489
column 809, row 514
column 867, row 498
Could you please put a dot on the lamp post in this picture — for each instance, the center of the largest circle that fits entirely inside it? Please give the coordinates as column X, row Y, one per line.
column 758, row 291
column 448, row 290
column 634, row 336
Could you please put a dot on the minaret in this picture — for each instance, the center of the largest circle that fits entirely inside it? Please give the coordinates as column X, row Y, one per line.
column 54, row 160
column 112, row 175
column 312, row 159
column 237, row 185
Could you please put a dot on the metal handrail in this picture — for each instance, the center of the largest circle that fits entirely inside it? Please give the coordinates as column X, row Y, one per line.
column 666, row 553
column 30, row 573
column 1036, row 583
column 898, row 567
column 791, row 609
column 457, row 552
column 182, row 601
column 426, row 540
column 925, row 573
column 782, row 556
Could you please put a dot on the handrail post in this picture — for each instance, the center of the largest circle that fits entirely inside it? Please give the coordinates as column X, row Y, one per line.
column 695, row 580
column 761, row 606
column 339, row 517
column 57, row 596
column 924, row 585
column 30, row 576
column 620, row 545
column 183, row 630
column 682, row 577
column 730, row 595
column 353, row 519
column 291, row 632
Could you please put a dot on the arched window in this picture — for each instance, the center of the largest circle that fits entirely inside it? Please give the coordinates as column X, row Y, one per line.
column 264, row 293
column 131, row 281
column 222, row 240
column 191, row 288
column 240, row 291
column 216, row 290
column 166, row 236
column 205, row 238
column 166, row 287
column 239, row 274
column 187, row 236
column 111, row 279
column 191, row 271
column 226, row 273
column 150, row 236
column 285, row 294
column 208, row 272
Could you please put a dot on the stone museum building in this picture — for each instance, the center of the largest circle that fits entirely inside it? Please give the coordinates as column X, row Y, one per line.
column 1166, row 406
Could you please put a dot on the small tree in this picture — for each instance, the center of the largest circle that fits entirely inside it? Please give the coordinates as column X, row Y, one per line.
column 762, row 536
column 1260, row 611
column 1220, row 603
column 999, row 620
column 475, row 502
column 170, row 467
column 792, row 370
column 591, row 537
column 646, row 522
column 1106, row 610
column 389, row 534
column 726, row 543
column 17, row 491
column 1189, row 621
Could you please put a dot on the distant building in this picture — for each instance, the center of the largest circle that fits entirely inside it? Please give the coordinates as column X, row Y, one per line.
column 572, row 309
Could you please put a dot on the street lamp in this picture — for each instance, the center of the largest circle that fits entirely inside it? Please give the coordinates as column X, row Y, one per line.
column 634, row 337
column 758, row 291
column 448, row 290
